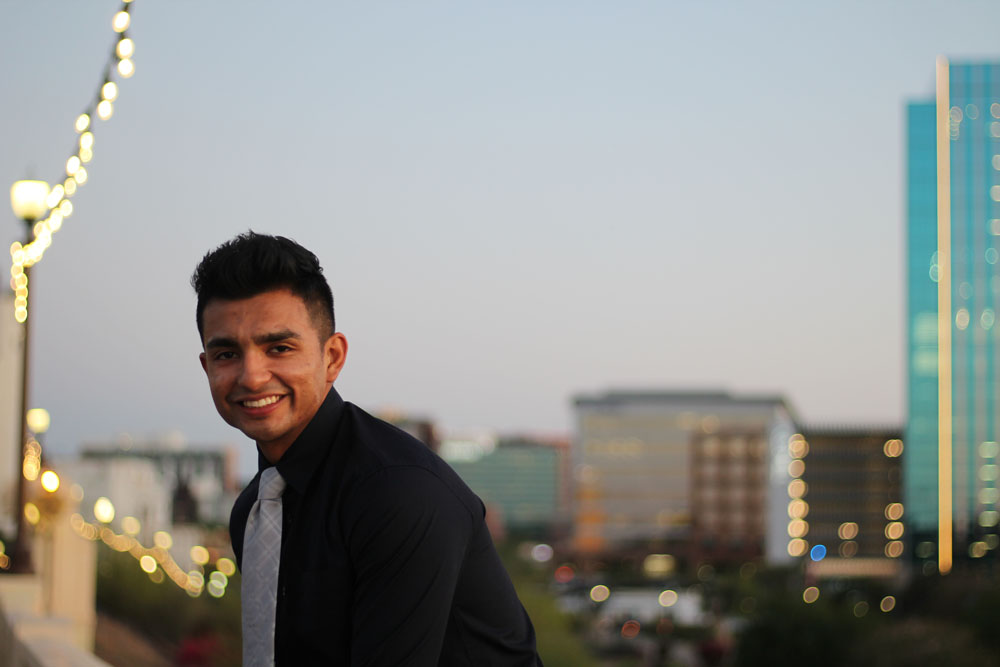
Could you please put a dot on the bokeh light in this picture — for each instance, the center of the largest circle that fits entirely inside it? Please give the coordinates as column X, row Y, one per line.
column 847, row 530
column 148, row 564
column 893, row 448
column 667, row 598
column 50, row 481
column 32, row 514
column 798, row 528
column 199, row 554
column 600, row 593
column 798, row 509
column 38, row 419
column 541, row 553
column 226, row 566
column 797, row 547
column 894, row 549
column 630, row 629
column 120, row 21
column 125, row 48
column 810, row 595
column 894, row 511
column 131, row 525
column 564, row 574
column 104, row 511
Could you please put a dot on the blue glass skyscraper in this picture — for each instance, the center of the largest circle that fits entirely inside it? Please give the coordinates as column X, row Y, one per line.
column 953, row 296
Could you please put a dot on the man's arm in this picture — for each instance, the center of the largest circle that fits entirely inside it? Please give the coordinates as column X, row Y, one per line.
column 407, row 533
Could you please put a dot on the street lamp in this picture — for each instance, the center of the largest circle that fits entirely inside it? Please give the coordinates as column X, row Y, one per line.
column 27, row 198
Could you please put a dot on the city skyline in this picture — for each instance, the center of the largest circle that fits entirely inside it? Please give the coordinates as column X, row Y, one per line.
column 514, row 205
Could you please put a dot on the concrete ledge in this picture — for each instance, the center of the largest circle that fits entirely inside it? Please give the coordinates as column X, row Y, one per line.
column 28, row 639
column 57, row 653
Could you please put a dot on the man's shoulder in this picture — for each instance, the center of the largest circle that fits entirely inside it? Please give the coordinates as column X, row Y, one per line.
column 383, row 454
column 377, row 444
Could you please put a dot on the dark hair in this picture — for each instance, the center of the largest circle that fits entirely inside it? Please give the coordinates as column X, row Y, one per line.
column 252, row 264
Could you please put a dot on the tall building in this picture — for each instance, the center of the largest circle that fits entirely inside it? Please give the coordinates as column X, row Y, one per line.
column 953, row 294
column 700, row 475
column 848, row 499
column 522, row 481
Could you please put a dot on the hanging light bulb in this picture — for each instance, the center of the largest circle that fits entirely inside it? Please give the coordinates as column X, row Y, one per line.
column 72, row 165
column 105, row 109
column 125, row 48
column 126, row 67
column 82, row 122
column 120, row 21
column 109, row 91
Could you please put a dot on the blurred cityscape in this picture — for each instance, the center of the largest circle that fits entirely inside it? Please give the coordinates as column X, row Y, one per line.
column 670, row 527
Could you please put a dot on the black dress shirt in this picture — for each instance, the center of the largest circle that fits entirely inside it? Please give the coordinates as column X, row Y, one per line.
column 385, row 557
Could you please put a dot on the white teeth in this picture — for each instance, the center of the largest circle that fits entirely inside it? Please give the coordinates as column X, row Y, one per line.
column 262, row 402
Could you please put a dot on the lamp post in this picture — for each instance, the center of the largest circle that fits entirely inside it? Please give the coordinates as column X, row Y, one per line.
column 27, row 198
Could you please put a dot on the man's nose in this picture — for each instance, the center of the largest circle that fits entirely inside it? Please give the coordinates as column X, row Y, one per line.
column 255, row 372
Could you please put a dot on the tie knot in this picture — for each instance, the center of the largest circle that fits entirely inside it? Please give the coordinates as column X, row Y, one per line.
column 271, row 485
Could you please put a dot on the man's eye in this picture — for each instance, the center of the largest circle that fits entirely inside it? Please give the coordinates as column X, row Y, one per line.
column 281, row 348
column 223, row 356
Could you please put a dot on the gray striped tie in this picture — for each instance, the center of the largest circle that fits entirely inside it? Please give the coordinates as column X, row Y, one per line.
column 261, row 554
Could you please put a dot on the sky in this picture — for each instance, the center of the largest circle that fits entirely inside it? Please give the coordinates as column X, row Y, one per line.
column 515, row 203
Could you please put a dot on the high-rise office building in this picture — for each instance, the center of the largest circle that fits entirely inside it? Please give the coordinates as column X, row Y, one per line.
column 953, row 295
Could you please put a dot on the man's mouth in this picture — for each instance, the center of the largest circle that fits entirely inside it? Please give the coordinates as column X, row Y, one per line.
column 260, row 402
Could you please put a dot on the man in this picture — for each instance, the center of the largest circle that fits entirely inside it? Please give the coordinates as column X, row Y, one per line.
column 357, row 544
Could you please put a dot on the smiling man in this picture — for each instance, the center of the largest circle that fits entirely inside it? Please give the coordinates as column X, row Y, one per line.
column 357, row 544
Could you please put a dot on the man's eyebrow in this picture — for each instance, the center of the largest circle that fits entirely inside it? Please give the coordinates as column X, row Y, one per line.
column 275, row 337
column 219, row 342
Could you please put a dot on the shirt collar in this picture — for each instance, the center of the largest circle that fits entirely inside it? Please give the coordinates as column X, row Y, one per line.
column 302, row 459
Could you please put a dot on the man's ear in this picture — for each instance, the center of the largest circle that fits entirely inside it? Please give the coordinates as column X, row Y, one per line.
column 201, row 358
column 334, row 354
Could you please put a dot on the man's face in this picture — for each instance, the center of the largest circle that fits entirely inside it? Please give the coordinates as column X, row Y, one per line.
column 267, row 368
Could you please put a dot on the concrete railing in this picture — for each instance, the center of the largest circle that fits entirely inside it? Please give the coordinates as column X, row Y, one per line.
column 47, row 619
column 29, row 639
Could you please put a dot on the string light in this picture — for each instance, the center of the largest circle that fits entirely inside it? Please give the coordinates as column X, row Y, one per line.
column 57, row 201
column 158, row 557
column 125, row 48
column 156, row 561
column 121, row 20
column 105, row 109
column 126, row 68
